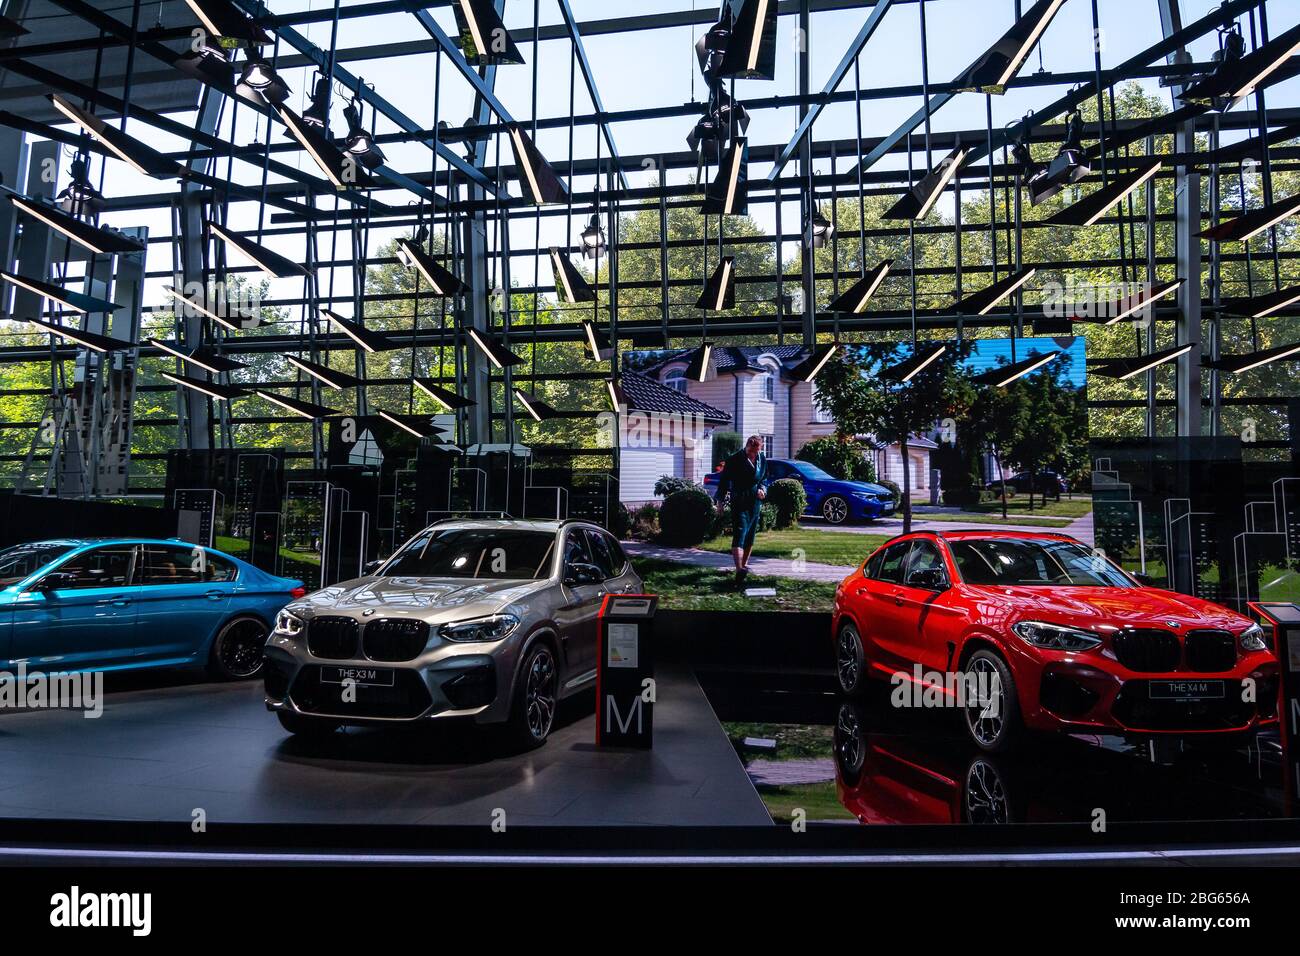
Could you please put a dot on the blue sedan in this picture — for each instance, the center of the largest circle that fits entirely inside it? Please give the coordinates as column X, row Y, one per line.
column 125, row 603
column 833, row 499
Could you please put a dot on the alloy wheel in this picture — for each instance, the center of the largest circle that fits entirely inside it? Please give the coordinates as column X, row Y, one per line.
column 848, row 738
column 986, row 714
column 539, row 694
column 835, row 510
column 986, row 797
column 848, row 658
column 240, row 648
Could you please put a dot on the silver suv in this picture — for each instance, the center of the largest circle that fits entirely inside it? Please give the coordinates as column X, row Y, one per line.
column 492, row 620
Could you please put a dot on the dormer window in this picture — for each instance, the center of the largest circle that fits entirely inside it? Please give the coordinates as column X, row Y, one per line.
column 675, row 378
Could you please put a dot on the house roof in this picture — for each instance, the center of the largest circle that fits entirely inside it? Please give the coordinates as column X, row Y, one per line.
column 644, row 394
column 740, row 358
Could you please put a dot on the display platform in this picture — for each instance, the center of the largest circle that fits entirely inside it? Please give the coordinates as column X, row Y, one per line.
column 168, row 745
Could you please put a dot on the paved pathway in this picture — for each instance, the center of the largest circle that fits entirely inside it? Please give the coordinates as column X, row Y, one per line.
column 771, row 567
column 789, row 773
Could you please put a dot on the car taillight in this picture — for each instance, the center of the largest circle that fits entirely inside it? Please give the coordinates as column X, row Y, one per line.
column 298, row 592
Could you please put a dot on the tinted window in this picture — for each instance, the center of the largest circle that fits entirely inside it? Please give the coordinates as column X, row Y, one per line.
column 777, row 470
column 219, row 569
column 1010, row 561
column 616, row 551
column 601, row 557
column 811, row 471
column 166, row 564
column 23, row 560
column 108, row 567
column 925, row 556
column 502, row 554
column 576, row 550
column 891, row 566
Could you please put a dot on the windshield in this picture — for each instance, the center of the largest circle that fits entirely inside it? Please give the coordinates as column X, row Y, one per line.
column 474, row 553
column 22, row 560
column 1008, row 561
column 810, row 471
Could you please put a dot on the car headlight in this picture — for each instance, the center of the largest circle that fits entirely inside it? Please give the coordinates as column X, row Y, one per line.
column 496, row 627
column 1055, row 637
column 290, row 624
column 1252, row 639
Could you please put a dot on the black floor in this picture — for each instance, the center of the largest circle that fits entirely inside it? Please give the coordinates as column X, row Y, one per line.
column 168, row 745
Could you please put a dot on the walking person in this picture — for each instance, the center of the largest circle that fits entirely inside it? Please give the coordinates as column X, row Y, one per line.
column 742, row 476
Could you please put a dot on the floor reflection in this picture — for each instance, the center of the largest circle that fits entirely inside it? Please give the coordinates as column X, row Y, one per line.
column 862, row 760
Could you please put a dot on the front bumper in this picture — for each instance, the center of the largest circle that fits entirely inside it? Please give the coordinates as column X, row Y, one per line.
column 870, row 510
column 447, row 681
column 1089, row 694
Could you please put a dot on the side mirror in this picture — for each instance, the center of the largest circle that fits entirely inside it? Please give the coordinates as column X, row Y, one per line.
column 54, row 581
column 579, row 574
column 928, row 579
column 370, row 567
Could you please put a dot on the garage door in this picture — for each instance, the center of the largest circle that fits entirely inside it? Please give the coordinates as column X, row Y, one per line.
column 640, row 468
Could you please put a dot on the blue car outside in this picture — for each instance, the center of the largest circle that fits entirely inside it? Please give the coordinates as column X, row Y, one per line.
column 126, row 603
column 832, row 499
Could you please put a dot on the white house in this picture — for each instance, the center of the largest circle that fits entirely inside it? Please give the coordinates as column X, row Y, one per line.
column 751, row 392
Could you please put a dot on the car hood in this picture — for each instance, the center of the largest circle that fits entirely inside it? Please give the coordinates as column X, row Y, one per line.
column 858, row 487
column 429, row 599
column 1094, row 607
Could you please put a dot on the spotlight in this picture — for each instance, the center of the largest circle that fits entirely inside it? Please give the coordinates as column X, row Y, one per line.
column 983, row 301
column 1126, row 368
column 568, row 280
column 365, row 339
column 223, row 19
column 412, row 254
column 484, row 39
column 273, row 264
column 720, row 291
column 296, row 406
column 360, row 144
column 1238, row 76
column 593, row 238
column 90, row 340
column 143, row 159
column 323, row 373
column 750, row 50
column 917, row 202
column 711, row 49
column 1004, row 375
column 215, row 390
column 817, row 230
column 810, row 368
column 908, row 369
column 728, row 195
column 701, row 368
column 598, row 343
column 260, row 77
column 79, row 197
column 995, row 69
column 1095, row 205
column 70, row 300
column 318, row 114
column 854, row 299
column 496, row 353
column 537, row 409
column 208, row 62
column 340, row 169
column 1068, row 167
column 444, row 396
column 1250, row 225
column 95, row 238
column 1252, row 360
column 536, row 177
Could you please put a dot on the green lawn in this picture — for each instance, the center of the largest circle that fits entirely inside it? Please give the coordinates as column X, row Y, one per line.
column 1018, row 507
column 818, row 546
column 818, row 801
column 688, row 587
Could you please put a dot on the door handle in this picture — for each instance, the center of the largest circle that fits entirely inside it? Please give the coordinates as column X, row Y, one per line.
column 213, row 595
column 898, row 598
column 121, row 602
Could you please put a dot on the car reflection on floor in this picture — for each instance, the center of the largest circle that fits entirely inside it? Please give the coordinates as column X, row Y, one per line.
column 891, row 767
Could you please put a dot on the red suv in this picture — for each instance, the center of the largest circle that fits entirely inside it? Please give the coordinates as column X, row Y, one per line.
column 1051, row 635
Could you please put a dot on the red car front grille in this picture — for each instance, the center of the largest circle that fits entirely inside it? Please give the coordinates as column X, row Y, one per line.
column 1147, row 651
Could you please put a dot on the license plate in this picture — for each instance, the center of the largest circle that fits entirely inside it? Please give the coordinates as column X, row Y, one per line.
column 1186, row 689
column 362, row 676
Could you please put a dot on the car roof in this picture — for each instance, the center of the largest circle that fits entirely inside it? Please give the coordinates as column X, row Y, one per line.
column 83, row 542
column 551, row 526
column 967, row 534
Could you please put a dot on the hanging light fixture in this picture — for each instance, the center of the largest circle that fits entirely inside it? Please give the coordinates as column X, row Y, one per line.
column 365, row 339
column 484, row 39
column 212, row 306
column 318, row 114
column 617, row 396
column 205, row 358
column 1068, row 166
column 208, row 62
column 917, row 202
column 273, row 264
column 91, row 340
column 1262, row 306
column 701, row 368
column 1126, row 368
column 1238, row 75
column 214, row 390
column 342, row 170
column 79, row 197
column 711, row 48
column 143, row 159
column 323, row 373
column 1237, row 364
column 593, row 238
column 984, row 301
column 599, row 346
column 1246, row 227
column 922, row 358
column 1093, row 206
column 998, row 66
column 750, row 48
column 441, row 280
column 1004, row 375
column 569, row 282
column 360, row 144
column 720, row 291
column 417, row 426
column 728, row 194
column 296, row 406
column 854, row 299
column 496, row 353
column 808, row 370
column 817, row 230
column 537, row 409
column 223, row 19
column 68, row 298
column 444, row 396
column 260, row 76
column 537, row 179
column 97, row 239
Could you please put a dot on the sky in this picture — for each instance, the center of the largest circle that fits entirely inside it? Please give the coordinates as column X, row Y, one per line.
column 657, row 68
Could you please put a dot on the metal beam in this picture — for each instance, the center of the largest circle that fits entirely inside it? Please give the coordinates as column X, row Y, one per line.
column 482, row 89
column 836, row 77
column 583, row 64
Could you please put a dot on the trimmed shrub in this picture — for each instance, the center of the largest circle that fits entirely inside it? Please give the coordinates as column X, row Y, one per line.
column 839, row 459
column 686, row 517
column 667, row 484
column 722, row 521
column 645, row 522
column 894, row 489
column 789, row 500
